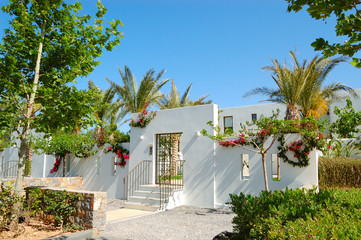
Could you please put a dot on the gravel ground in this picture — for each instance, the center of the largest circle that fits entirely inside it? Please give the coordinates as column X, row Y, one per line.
column 183, row 222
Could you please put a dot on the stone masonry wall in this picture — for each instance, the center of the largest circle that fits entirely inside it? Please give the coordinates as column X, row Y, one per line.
column 68, row 183
column 90, row 209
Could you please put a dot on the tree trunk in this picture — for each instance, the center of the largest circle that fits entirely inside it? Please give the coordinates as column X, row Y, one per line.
column 278, row 168
column 28, row 161
column 264, row 155
column 63, row 157
column 24, row 136
column 175, row 150
column 292, row 113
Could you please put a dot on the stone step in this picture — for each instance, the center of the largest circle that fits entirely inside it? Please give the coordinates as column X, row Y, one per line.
column 149, row 188
column 150, row 194
column 143, row 207
column 145, row 200
column 152, row 188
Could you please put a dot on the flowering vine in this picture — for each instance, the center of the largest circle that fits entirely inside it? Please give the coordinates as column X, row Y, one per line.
column 56, row 165
column 312, row 137
column 231, row 143
column 300, row 152
column 100, row 142
column 143, row 120
column 122, row 154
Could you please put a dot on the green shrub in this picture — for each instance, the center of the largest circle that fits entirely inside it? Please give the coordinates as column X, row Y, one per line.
column 296, row 214
column 61, row 204
column 339, row 172
column 7, row 200
column 34, row 200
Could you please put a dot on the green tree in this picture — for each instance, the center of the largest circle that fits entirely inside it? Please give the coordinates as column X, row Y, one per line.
column 348, row 122
column 138, row 99
column 301, row 88
column 348, row 24
column 62, row 143
column 174, row 100
column 47, row 46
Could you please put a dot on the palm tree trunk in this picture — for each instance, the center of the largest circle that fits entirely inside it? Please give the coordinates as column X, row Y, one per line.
column 175, row 150
column 292, row 113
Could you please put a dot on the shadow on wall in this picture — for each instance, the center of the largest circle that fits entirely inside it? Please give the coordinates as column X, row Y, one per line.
column 102, row 179
column 199, row 176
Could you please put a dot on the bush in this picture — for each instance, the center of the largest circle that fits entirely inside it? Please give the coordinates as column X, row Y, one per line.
column 60, row 204
column 7, row 200
column 339, row 172
column 296, row 214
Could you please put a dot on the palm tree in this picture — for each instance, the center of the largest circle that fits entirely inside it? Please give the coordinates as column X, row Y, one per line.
column 300, row 87
column 137, row 99
column 107, row 110
column 173, row 100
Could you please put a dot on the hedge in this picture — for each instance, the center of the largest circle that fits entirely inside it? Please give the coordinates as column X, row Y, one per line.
column 297, row 214
column 339, row 172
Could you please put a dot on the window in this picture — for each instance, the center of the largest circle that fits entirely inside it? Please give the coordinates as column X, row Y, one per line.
column 228, row 123
column 245, row 167
column 67, row 164
column 254, row 116
column 150, row 149
column 98, row 165
column 114, row 160
column 276, row 175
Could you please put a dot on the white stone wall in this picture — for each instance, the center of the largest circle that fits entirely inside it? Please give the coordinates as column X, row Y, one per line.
column 212, row 172
column 244, row 113
column 198, row 151
column 229, row 166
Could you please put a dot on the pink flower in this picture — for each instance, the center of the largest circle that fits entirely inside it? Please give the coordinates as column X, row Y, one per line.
column 145, row 112
column 126, row 156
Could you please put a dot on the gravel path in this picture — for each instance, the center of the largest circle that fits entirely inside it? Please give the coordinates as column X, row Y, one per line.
column 183, row 222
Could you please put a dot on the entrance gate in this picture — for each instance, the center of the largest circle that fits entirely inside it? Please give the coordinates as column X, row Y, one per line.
column 169, row 168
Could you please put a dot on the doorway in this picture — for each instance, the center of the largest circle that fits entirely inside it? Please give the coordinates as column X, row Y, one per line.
column 169, row 160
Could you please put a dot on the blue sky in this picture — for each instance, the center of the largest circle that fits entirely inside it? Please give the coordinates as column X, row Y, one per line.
column 220, row 46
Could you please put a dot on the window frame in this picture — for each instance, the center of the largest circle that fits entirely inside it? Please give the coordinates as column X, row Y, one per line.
column 224, row 123
column 254, row 115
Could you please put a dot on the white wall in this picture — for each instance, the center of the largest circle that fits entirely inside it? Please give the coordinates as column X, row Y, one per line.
column 212, row 172
column 229, row 167
column 197, row 151
column 105, row 181
column 244, row 113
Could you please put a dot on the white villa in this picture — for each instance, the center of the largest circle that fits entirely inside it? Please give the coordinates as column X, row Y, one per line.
column 209, row 172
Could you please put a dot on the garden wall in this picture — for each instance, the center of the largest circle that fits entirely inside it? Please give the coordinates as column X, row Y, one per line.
column 90, row 209
column 212, row 172
column 97, row 172
column 68, row 183
column 229, row 177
